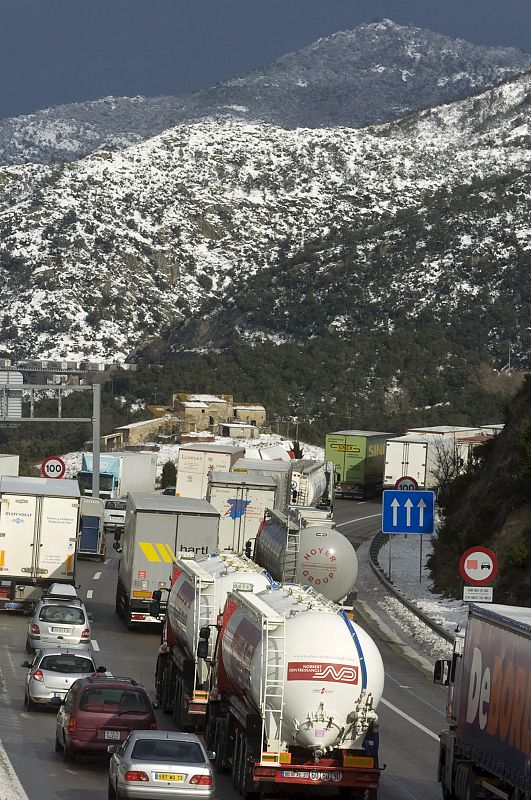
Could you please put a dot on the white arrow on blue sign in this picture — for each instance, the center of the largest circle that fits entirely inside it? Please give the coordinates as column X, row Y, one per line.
column 408, row 512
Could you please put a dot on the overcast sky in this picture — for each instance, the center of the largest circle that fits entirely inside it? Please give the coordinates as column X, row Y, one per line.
column 62, row 51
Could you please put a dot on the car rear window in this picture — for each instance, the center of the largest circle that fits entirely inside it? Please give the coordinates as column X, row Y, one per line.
column 119, row 701
column 167, row 750
column 118, row 505
column 67, row 614
column 68, row 665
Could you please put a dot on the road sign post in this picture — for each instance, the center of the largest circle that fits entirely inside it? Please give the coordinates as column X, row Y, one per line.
column 405, row 511
column 478, row 566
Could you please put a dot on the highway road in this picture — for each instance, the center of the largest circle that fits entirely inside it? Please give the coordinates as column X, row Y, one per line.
column 411, row 713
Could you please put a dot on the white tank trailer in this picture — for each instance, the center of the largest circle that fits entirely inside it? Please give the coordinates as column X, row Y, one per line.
column 197, row 596
column 309, row 482
column 304, row 546
column 296, row 681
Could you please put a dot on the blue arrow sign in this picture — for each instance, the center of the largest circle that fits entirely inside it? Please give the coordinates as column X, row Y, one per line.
column 408, row 512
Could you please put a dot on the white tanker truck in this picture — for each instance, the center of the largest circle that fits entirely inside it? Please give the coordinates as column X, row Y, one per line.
column 305, row 547
column 198, row 594
column 295, row 684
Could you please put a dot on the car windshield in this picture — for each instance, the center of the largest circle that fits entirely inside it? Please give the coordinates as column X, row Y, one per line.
column 119, row 701
column 66, row 614
column 68, row 664
column 118, row 505
column 167, row 751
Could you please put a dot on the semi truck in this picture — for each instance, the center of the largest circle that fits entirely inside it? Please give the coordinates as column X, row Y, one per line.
column 280, row 471
column 416, row 457
column 485, row 751
column 119, row 473
column 39, row 524
column 311, row 482
column 158, row 529
column 197, row 461
column 304, row 546
column 241, row 500
column 294, row 689
column 91, row 530
column 196, row 599
column 358, row 458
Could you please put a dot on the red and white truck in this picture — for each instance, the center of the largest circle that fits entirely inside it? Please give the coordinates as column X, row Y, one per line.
column 293, row 695
column 486, row 750
column 198, row 593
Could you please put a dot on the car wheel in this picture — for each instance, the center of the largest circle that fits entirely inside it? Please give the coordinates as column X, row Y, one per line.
column 29, row 648
column 111, row 792
column 58, row 747
column 30, row 705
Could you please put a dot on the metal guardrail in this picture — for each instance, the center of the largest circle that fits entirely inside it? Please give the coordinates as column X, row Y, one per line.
column 376, row 545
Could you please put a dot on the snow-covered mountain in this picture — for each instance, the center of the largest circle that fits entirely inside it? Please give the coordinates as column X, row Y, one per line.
column 100, row 255
column 374, row 73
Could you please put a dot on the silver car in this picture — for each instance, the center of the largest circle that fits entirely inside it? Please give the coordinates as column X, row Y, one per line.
column 58, row 623
column 51, row 674
column 160, row 765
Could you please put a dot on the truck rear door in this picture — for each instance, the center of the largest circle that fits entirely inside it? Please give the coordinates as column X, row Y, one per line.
column 17, row 535
column 154, row 553
column 57, row 538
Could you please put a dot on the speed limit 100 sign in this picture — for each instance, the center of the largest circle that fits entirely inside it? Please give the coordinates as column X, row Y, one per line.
column 53, row 467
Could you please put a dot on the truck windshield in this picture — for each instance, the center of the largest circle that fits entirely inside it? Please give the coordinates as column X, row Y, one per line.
column 85, row 480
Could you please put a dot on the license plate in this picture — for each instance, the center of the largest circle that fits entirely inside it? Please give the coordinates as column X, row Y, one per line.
column 168, row 776
column 60, row 630
column 114, row 735
column 294, row 774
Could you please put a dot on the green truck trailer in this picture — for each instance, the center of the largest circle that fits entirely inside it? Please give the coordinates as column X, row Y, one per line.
column 359, row 462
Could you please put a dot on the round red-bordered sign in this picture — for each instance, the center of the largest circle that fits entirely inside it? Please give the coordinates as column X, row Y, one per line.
column 53, row 467
column 477, row 562
column 406, row 483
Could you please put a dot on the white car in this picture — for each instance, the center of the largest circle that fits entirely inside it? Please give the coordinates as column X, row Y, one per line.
column 114, row 515
column 52, row 673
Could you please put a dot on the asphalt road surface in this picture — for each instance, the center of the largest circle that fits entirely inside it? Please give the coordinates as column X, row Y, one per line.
column 411, row 714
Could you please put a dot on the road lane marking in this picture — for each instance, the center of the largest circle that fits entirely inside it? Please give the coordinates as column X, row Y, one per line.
column 359, row 519
column 95, row 645
column 12, row 788
column 108, row 561
column 411, row 691
column 409, row 719
column 97, row 576
column 90, row 592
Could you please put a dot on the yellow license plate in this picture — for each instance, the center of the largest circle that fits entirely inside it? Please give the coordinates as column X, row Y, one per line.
column 168, row 776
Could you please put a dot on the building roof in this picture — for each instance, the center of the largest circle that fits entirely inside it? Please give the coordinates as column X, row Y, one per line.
column 361, row 433
column 444, row 429
column 141, row 424
column 248, row 407
column 193, row 404
column 206, row 398
column 237, row 425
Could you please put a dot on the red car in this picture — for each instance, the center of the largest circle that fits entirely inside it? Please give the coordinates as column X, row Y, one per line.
column 101, row 710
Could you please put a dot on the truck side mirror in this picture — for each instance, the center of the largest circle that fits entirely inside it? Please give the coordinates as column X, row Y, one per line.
column 441, row 672
column 156, row 595
column 204, row 632
column 202, row 648
column 116, row 546
column 154, row 608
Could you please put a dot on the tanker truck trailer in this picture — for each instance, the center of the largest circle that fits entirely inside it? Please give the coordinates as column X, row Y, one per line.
column 485, row 751
column 294, row 691
column 196, row 599
column 304, row 546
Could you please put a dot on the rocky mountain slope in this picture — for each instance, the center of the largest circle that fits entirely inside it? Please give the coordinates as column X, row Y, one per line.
column 374, row 73
column 100, row 255
column 490, row 506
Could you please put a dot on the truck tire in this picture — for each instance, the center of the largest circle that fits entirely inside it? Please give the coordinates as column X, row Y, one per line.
column 245, row 776
column 119, row 604
column 235, row 766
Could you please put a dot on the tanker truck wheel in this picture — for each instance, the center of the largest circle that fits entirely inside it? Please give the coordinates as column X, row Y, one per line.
column 245, row 775
column 235, row 767
column 118, row 606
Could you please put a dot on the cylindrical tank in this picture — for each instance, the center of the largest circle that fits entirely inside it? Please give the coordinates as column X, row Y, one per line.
column 309, row 551
column 226, row 570
column 333, row 672
column 308, row 482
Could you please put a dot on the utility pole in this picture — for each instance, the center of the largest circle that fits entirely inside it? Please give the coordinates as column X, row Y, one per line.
column 96, row 433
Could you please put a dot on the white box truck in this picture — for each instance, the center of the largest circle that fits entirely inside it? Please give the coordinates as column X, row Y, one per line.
column 9, row 464
column 196, row 461
column 120, row 473
column 39, row 523
column 241, row 501
column 417, row 457
column 280, row 471
column 158, row 529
